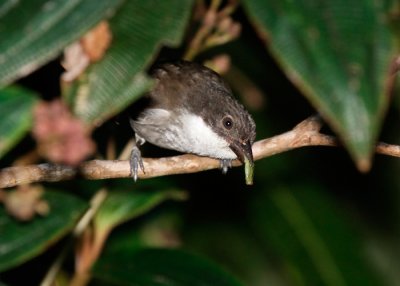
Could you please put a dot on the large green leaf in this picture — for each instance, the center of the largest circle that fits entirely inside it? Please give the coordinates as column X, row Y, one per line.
column 33, row 32
column 16, row 116
column 22, row 241
column 338, row 54
column 242, row 253
column 311, row 237
column 139, row 29
column 160, row 267
column 121, row 206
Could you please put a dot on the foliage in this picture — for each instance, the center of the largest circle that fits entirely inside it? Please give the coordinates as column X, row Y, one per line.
column 310, row 219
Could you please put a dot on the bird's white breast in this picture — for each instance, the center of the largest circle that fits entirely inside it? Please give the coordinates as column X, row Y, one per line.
column 187, row 133
column 202, row 140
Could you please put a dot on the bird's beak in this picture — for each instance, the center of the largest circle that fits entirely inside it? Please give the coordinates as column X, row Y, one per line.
column 245, row 155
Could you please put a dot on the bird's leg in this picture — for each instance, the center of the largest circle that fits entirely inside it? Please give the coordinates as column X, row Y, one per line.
column 225, row 164
column 136, row 157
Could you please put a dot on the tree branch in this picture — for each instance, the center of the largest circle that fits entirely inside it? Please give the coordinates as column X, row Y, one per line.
column 306, row 133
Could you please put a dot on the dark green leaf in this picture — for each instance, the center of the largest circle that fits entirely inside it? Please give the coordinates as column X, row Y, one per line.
column 242, row 253
column 338, row 54
column 16, row 116
column 312, row 238
column 20, row 241
column 33, row 32
column 139, row 29
column 160, row 267
column 122, row 206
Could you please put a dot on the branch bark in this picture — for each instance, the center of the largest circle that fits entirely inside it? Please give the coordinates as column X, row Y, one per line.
column 306, row 133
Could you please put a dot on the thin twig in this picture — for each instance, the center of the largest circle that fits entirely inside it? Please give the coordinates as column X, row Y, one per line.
column 304, row 134
column 83, row 223
column 204, row 37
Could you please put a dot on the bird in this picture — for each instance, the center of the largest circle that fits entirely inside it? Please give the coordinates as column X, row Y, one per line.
column 191, row 109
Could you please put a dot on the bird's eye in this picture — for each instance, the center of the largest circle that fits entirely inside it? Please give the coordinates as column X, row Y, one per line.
column 228, row 123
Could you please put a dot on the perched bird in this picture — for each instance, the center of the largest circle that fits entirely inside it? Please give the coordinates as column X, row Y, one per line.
column 191, row 109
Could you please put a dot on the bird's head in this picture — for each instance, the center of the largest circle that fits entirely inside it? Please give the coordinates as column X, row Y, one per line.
column 218, row 108
column 235, row 125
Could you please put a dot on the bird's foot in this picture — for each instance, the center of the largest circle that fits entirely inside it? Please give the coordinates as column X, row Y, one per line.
column 225, row 164
column 136, row 161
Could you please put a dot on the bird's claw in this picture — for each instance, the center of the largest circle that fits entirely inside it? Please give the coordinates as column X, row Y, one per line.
column 136, row 161
column 225, row 164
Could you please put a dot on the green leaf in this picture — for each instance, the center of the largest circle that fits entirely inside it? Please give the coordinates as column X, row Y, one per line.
column 338, row 54
column 34, row 32
column 139, row 30
column 20, row 241
column 311, row 237
column 16, row 116
column 122, row 206
column 160, row 267
column 242, row 253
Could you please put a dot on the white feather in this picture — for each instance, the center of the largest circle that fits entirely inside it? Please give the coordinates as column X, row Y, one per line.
column 187, row 133
column 202, row 140
column 156, row 116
